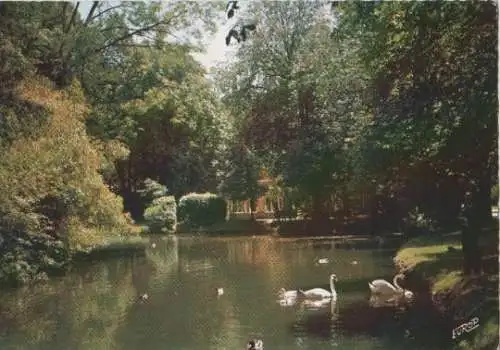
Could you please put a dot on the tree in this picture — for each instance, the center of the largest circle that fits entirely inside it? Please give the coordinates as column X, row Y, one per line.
column 297, row 94
column 434, row 102
column 241, row 179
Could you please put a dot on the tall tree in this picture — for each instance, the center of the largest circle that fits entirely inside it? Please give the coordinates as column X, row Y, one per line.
column 433, row 68
column 242, row 174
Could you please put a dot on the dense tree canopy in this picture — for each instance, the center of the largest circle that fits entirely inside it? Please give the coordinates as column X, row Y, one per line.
column 90, row 107
column 376, row 108
column 396, row 101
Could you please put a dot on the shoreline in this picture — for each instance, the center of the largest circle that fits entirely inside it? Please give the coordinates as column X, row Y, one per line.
column 432, row 266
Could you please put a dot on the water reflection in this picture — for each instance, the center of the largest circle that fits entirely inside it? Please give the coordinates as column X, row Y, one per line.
column 96, row 306
column 396, row 300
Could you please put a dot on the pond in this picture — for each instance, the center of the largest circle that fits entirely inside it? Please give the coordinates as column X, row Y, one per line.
column 97, row 306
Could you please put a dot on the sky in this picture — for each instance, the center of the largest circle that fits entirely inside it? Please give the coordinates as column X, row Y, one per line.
column 216, row 49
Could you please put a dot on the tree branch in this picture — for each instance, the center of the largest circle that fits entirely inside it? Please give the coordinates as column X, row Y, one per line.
column 129, row 35
column 65, row 6
column 104, row 11
column 113, row 28
column 73, row 16
column 91, row 12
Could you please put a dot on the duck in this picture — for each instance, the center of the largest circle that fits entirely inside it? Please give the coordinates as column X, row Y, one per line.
column 323, row 261
column 255, row 344
column 143, row 297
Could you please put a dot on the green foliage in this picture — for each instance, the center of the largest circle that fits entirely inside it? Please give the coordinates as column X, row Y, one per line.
column 161, row 215
column 151, row 113
column 298, row 95
column 201, row 209
column 160, row 212
column 243, row 172
column 123, row 54
column 434, row 101
column 384, row 96
column 418, row 222
column 178, row 129
column 54, row 199
column 152, row 190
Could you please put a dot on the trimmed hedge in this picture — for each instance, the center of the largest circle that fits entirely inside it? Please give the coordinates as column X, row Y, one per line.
column 201, row 209
column 161, row 215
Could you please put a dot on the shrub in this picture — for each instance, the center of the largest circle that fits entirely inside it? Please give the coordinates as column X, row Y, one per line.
column 54, row 200
column 201, row 209
column 161, row 215
column 152, row 190
column 418, row 222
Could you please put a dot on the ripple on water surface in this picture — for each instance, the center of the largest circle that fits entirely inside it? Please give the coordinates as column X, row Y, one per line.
column 98, row 307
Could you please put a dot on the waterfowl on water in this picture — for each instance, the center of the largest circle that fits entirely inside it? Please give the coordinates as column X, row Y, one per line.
column 255, row 345
column 380, row 286
column 319, row 293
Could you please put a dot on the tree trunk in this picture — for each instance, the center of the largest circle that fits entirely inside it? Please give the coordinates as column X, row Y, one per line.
column 477, row 214
column 346, row 207
column 252, row 204
column 319, row 217
column 470, row 246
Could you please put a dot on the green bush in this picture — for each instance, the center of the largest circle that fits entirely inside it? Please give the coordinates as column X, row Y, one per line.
column 201, row 209
column 161, row 215
column 54, row 200
column 151, row 190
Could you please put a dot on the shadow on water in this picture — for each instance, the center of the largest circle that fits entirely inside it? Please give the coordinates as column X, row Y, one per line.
column 98, row 305
column 390, row 326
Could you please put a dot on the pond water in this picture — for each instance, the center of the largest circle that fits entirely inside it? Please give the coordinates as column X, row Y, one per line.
column 96, row 306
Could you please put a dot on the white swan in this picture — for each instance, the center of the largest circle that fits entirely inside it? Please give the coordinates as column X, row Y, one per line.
column 319, row 293
column 383, row 287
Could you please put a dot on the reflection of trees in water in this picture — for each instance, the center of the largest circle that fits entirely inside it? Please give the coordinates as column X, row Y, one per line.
column 83, row 314
column 225, row 334
column 268, row 255
column 97, row 313
column 189, row 314
column 258, row 251
column 26, row 313
column 361, row 319
column 164, row 259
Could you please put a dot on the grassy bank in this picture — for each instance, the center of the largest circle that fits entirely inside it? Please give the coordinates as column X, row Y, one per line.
column 436, row 261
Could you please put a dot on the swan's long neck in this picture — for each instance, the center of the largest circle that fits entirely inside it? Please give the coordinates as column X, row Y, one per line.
column 332, row 286
column 395, row 282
